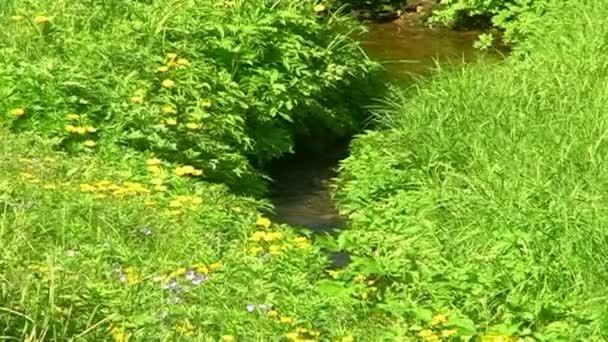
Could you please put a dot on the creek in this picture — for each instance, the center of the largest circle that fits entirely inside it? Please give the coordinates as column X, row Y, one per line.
column 301, row 189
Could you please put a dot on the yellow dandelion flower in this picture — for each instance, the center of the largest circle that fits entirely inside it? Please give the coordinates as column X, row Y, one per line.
column 272, row 313
column 333, row 274
column 348, row 338
column 171, row 56
column 216, row 266
column 41, row 19
column 138, row 99
column 286, row 320
column 163, row 68
column 168, row 83
column 197, row 172
column 175, row 204
column 80, row 130
column 153, row 162
column 263, row 222
column 193, row 125
column 132, row 275
column 448, row 333
column 255, row 250
column 227, row 338
column 425, row 333
column 183, row 62
column 273, row 236
column 87, row 187
column 433, row 338
column 258, row 236
column 293, row 336
column 303, row 245
column 73, row 116
column 201, row 268
column 171, row 122
column 89, row 143
column 319, row 8
column 154, row 169
column 18, row 112
column 119, row 334
column 360, row 278
column 168, row 109
column 438, row 319
column 274, row 250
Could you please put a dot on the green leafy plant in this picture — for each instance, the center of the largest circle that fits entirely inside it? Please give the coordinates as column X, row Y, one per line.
column 223, row 86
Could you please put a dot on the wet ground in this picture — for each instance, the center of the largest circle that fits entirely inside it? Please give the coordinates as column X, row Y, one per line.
column 301, row 192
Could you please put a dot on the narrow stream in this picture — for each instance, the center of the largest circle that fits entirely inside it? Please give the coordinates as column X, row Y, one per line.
column 300, row 191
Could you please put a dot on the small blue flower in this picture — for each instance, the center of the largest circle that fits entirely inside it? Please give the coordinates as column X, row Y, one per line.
column 190, row 275
column 199, row 279
column 171, row 285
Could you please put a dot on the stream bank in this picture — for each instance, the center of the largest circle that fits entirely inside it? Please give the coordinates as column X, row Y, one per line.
column 301, row 189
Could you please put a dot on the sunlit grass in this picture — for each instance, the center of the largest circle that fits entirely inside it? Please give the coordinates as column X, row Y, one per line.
column 486, row 190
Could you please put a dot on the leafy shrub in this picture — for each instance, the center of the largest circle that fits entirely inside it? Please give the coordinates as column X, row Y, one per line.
column 485, row 192
column 222, row 86
column 515, row 17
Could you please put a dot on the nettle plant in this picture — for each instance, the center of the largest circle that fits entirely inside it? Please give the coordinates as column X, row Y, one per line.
column 223, row 86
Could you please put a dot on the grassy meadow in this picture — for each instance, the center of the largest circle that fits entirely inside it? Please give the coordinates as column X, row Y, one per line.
column 484, row 190
column 132, row 208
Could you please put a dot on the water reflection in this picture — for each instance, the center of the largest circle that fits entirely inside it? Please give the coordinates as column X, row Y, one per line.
column 408, row 51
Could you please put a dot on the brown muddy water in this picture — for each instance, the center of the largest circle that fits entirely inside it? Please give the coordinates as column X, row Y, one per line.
column 300, row 192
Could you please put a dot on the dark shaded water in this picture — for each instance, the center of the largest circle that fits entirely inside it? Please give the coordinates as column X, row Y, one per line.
column 300, row 192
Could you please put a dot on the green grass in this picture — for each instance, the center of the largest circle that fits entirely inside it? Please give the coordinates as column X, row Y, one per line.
column 478, row 207
column 485, row 190
column 65, row 248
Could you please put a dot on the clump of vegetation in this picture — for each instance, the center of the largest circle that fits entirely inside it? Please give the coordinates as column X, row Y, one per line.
column 224, row 86
column 485, row 192
column 121, row 247
column 514, row 17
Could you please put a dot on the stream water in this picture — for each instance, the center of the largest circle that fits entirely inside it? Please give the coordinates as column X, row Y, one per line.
column 300, row 191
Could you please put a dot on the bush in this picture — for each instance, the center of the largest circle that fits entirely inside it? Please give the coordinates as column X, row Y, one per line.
column 515, row 17
column 485, row 193
column 222, row 86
